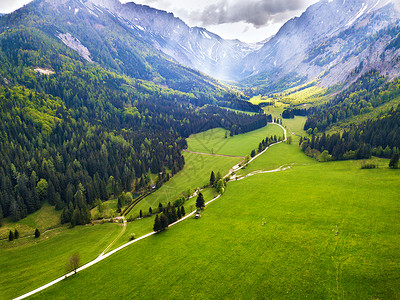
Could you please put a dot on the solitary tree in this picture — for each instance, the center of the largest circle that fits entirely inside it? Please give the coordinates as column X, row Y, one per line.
column 220, row 186
column 160, row 207
column 16, row 234
column 212, row 178
column 150, row 211
column 141, row 214
column 394, row 161
column 11, row 236
column 73, row 262
column 37, row 233
column 200, row 201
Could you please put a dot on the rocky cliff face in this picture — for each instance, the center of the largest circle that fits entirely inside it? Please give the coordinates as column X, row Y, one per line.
column 333, row 40
column 192, row 46
column 325, row 42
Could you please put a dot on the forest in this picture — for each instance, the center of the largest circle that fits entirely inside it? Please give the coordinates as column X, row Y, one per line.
column 367, row 93
column 375, row 137
column 84, row 132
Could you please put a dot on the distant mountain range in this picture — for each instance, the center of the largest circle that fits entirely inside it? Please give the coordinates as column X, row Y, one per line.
column 334, row 41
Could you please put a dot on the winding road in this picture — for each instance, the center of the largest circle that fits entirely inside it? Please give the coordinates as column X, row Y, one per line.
column 106, row 254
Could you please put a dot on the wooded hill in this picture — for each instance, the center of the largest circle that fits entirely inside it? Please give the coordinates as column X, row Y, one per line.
column 74, row 129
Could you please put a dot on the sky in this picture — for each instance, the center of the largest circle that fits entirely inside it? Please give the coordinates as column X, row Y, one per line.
column 248, row 20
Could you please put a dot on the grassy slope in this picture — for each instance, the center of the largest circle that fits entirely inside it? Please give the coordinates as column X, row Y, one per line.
column 196, row 173
column 198, row 167
column 213, row 141
column 28, row 263
column 295, row 255
column 46, row 217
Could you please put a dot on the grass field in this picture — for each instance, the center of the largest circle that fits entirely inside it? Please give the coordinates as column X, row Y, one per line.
column 307, row 95
column 46, row 217
column 197, row 169
column 28, row 263
column 196, row 173
column 318, row 230
column 214, row 141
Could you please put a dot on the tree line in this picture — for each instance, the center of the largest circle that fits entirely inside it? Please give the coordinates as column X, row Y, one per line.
column 379, row 137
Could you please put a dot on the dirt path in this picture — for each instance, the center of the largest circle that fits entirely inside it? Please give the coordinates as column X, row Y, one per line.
column 106, row 254
column 211, row 154
column 116, row 239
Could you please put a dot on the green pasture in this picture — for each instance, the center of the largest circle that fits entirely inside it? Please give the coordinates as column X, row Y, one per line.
column 28, row 263
column 144, row 225
column 318, row 230
column 214, row 141
column 279, row 155
column 195, row 174
column 45, row 218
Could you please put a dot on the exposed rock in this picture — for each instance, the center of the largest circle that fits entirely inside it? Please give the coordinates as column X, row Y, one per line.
column 76, row 45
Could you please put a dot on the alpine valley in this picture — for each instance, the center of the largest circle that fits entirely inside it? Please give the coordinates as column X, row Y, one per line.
column 121, row 124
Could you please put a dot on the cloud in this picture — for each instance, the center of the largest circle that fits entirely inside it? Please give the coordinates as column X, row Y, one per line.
column 7, row 6
column 256, row 12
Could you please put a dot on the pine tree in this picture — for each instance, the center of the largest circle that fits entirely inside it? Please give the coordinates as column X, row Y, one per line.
column 164, row 221
column 150, row 211
column 394, row 161
column 183, row 211
column 11, row 236
column 16, row 234
column 141, row 214
column 37, row 233
column 157, row 224
column 200, row 201
column 160, row 207
column 212, row 178
column 174, row 216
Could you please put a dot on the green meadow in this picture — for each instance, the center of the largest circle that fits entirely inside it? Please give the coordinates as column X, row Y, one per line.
column 45, row 218
column 317, row 230
column 195, row 174
column 214, row 141
column 28, row 263
column 197, row 169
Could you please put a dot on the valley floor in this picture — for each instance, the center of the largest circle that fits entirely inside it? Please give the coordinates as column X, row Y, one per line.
column 317, row 230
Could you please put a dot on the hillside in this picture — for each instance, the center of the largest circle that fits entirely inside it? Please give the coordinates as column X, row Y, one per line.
column 89, row 109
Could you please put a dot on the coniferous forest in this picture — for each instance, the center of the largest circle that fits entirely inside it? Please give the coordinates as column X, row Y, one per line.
column 83, row 132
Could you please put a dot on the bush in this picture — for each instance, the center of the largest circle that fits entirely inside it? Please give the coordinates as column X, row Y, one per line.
column 369, row 166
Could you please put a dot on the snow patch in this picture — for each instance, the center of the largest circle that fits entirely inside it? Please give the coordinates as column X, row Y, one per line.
column 76, row 11
column 360, row 13
column 140, row 27
column 206, row 35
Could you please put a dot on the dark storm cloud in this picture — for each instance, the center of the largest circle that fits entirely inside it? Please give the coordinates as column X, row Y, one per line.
column 256, row 12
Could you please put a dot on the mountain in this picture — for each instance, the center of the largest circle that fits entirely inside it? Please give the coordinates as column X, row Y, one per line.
column 330, row 40
column 193, row 47
column 89, row 109
column 102, row 37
